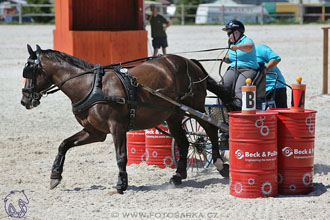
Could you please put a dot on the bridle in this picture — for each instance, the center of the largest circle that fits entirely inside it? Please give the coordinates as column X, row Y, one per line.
column 31, row 70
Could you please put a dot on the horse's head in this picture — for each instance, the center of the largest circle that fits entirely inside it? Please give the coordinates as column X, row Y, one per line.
column 36, row 80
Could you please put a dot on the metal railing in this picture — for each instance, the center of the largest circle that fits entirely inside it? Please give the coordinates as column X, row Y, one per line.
column 19, row 9
column 296, row 13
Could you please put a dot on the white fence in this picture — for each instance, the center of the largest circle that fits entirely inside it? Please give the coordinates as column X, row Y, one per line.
column 299, row 14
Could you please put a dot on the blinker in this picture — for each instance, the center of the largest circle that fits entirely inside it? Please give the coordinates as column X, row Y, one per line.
column 28, row 72
column 27, row 90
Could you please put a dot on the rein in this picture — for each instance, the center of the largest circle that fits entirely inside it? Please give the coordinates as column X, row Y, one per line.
column 200, row 51
column 52, row 89
column 111, row 66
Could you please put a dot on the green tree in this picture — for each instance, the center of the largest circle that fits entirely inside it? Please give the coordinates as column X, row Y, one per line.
column 189, row 10
column 39, row 10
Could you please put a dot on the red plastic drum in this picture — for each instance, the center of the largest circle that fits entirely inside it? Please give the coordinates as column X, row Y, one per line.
column 253, row 154
column 158, row 148
column 296, row 134
column 136, row 147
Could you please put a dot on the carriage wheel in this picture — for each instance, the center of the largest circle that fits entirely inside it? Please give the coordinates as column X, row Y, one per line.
column 200, row 147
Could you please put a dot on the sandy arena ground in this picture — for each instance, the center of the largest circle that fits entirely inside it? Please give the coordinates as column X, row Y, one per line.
column 29, row 141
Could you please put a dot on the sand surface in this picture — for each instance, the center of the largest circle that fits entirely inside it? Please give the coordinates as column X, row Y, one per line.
column 29, row 141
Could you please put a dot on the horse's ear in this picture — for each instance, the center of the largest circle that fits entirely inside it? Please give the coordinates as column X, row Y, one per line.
column 38, row 48
column 29, row 48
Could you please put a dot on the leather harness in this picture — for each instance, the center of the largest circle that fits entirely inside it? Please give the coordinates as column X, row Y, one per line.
column 97, row 96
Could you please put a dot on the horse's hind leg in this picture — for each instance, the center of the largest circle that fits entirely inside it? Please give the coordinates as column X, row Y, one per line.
column 80, row 138
column 175, row 127
column 212, row 132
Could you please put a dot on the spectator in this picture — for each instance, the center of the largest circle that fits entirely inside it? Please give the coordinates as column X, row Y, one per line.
column 242, row 56
column 275, row 82
column 159, row 24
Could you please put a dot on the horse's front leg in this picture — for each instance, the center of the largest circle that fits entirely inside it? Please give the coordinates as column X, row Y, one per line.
column 119, row 139
column 80, row 138
column 174, row 124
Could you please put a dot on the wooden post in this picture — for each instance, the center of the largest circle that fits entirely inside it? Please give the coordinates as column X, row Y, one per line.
column 262, row 14
column 301, row 13
column 325, row 60
column 20, row 20
column 223, row 14
column 182, row 14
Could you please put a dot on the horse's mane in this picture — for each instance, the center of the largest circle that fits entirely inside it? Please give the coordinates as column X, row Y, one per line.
column 60, row 56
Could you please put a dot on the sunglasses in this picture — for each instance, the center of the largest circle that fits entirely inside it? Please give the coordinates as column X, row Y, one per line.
column 229, row 33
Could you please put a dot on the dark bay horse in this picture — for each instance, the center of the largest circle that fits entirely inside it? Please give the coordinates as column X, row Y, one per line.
column 173, row 76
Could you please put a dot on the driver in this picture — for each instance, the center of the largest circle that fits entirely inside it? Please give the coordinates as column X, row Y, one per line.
column 242, row 56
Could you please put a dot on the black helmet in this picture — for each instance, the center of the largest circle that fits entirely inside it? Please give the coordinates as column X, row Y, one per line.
column 234, row 25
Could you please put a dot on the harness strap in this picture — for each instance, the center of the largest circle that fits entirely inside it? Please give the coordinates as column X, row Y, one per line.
column 130, row 84
column 163, row 132
column 96, row 94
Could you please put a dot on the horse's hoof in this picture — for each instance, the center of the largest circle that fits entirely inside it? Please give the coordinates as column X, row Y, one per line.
column 122, row 183
column 54, row 183
column 225, row 171
column 176, row 179
column 120, row 191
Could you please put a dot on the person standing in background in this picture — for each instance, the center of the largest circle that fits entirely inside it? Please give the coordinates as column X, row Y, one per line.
column 159, row 24
column 275, row 82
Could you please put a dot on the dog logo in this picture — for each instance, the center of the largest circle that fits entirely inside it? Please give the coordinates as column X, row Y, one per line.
column 15, row 204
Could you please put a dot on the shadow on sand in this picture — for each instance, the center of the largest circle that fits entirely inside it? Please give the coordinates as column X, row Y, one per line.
column 321, row 169
column 185, row 183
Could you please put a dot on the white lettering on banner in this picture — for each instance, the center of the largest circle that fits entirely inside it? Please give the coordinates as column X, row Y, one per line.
column 154, row 137
column 303, row 157
column 256, row 154
column 305, row 153
column 272, row 154
column 149, row 131
column 263, row 156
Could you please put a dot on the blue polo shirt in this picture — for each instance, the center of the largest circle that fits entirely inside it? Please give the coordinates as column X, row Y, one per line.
column 244, row 59
column 264, row 55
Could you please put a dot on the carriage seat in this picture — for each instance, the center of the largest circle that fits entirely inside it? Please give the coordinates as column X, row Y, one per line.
column 260, row 81
column 263, row 101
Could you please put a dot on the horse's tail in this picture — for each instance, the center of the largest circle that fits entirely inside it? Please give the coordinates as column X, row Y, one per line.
column 222, row 91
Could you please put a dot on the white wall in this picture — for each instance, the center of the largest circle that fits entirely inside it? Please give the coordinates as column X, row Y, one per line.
column 306, row 1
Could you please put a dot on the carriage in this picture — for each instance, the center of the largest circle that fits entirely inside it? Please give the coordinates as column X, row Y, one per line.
column 200, row 147
column 111, row 99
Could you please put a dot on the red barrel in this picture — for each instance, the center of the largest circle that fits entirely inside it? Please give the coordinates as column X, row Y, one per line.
column 158, row 148
column 135, row 147
column 296, row 134
column 253, row 154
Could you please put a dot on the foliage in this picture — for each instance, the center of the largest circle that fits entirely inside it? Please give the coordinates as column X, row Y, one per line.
column 39, row 10
column 189, row 10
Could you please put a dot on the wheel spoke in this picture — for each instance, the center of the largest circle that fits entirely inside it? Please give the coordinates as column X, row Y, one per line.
column 199, row 154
